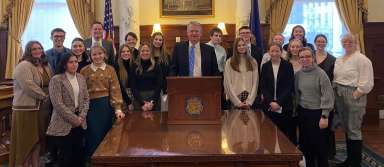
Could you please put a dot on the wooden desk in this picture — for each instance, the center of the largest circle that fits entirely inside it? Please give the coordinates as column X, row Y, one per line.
column 246, row 139
column 6, row 96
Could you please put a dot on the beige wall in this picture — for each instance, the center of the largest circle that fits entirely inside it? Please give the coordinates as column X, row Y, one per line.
column 375, row 11
column 149, row 12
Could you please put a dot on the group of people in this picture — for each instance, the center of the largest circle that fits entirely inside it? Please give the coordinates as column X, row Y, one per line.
column 66, row 100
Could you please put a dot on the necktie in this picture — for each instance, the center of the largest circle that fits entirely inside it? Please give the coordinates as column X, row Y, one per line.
column 191, row 59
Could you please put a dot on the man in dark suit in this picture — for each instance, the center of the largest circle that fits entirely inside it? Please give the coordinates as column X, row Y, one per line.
column 255, row 52
column 192, row 58
column 97, row 39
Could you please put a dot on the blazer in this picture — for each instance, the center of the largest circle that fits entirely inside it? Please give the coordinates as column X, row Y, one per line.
column 55, row 58
column 180, row 65
column 27, row 90
column 257, row 54
column 63, row 101
column 285, row 84
column 107, row 45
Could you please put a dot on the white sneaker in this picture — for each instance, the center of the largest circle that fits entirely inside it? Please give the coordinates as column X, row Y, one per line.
column 302, row 162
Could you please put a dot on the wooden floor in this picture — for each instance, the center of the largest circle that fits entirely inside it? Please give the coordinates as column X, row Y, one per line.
column 373, row 137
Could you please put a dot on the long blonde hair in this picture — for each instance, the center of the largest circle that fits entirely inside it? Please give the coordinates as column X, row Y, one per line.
column 235, row 59
column 123, row 75
column 164, row 56
column 291, row 42
column 139, row 69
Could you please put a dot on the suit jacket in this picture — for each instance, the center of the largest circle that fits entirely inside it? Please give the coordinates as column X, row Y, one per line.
column 107, row 45
column 180, row 60
column 54, row 58
column 285, row 84
column 257, row 54
column 63, row 102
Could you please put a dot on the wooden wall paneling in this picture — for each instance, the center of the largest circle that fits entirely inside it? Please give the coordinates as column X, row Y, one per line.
column 374, row 42
column 172, row 31
column 3, row 52
column 6, row 96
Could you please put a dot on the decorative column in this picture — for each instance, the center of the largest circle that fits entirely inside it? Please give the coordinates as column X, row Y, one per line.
column 129, row 18
column 243, row 11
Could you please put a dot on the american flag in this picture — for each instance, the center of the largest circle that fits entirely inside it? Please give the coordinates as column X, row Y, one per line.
column 108, row 22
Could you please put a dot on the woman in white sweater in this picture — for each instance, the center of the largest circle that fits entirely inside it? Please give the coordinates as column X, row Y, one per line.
column 241, row 76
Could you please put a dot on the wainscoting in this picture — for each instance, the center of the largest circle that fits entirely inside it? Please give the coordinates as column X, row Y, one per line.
column 6, row 96
column 374, row 42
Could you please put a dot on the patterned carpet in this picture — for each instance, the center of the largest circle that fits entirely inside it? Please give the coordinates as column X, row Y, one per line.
column 370, row 158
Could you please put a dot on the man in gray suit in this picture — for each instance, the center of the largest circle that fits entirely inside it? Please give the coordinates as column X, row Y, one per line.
column 97, row 39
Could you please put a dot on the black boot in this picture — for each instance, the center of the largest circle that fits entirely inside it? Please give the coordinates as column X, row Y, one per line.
column 356, row 146
column 348, row 160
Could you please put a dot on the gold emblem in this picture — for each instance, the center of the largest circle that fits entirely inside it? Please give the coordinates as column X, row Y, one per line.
column 194, row 106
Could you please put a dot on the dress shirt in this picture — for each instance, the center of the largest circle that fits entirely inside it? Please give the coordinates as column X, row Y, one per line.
column 197, row 64
column 275, row 68
column 221, row 55
column 99, row 42
column 249, row 49
column 356, row 71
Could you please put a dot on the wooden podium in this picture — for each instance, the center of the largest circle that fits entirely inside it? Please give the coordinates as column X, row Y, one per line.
column 194, row 100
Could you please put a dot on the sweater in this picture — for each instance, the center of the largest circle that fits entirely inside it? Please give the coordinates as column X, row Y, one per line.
column 28, row 83
column 102, row 83
column 314, row 90
column 148, row 81
column 236, row 82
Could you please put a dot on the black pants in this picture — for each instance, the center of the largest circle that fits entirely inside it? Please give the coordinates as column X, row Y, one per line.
column 331, row 138
column 313, row 140
column 71, row 148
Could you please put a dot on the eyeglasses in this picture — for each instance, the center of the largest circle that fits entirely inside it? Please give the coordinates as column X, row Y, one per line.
column 59, row 36
column 246, row 32
column 305, row 57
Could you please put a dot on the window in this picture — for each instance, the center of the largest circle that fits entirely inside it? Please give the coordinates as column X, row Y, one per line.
column 317, row 17
column 47, row 15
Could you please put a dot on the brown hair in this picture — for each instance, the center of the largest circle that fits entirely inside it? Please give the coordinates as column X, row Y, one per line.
column 132, row 34
column 304, row 40
column 34, row 60
column 275, row 44
column 97, row 22
column 122, row 72
column 215, row 29
column 235, row 59
column 139, row 69
column 164, row 57
column 244, row 28
column 307, row 49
